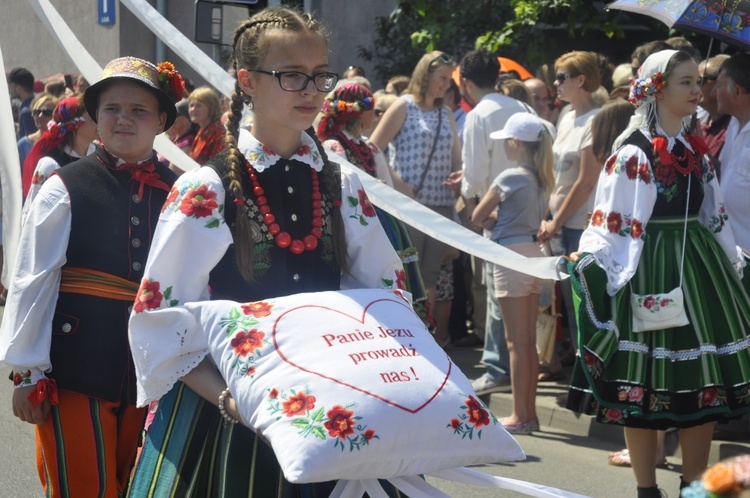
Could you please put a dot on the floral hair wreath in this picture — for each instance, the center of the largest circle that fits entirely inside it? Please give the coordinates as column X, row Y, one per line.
column 725, row 479
column 170, row 81
column 331, row 107
column 642, row 89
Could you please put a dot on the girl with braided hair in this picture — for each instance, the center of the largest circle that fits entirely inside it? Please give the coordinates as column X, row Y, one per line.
column 263, row 219
column 69, row 136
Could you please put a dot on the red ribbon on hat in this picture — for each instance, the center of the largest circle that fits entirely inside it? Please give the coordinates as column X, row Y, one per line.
column 45, row 388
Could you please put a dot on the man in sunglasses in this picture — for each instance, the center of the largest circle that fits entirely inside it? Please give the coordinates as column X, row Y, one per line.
column 713, row 122
column 484, row 159
column 21, row 86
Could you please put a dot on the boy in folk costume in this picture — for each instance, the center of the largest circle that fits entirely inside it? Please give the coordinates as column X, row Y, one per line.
column 80, row 262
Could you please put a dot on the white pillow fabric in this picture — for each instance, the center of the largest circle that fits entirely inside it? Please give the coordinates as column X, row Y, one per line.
column 350, row 385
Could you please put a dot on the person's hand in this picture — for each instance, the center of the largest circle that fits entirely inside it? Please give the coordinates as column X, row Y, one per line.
column 25, row 410
column 574, row 257
column 454, row 182
column 547, row 230
column 231, row 407
column 490, row 222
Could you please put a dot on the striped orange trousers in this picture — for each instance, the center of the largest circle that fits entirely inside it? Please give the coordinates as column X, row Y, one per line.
column 86, row 447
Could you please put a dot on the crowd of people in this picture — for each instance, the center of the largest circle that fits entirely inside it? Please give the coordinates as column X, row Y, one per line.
column 636, row 173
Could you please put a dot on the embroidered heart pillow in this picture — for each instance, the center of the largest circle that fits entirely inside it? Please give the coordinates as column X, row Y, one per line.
column 350, row 385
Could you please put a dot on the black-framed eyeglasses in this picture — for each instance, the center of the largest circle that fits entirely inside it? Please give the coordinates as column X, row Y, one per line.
column 561, row 77
column 444, row 58
column 295, row 81
column 705, row 79
column 45, row 112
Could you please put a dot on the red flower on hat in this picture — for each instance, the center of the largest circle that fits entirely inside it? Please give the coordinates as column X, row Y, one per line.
column 170, row 81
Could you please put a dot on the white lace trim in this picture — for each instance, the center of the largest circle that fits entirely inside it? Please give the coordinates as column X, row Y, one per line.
column 609, row 325
column 686, row 354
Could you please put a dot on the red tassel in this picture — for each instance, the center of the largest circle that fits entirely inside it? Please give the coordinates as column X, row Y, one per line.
column 660, row 147
column 45, row 388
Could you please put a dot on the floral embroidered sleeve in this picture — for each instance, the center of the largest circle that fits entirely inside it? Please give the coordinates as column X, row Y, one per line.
column 190, row 239
column 373, row 262
column 713, row 215
column 625, row 198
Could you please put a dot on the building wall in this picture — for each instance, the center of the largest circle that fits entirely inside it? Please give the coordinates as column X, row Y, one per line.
column 26, row 42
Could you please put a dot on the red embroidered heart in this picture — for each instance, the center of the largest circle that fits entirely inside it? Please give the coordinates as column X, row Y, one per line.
column 368, row 334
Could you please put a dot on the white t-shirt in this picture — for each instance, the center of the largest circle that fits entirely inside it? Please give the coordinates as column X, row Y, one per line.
column 735, row 180
column 573, row 134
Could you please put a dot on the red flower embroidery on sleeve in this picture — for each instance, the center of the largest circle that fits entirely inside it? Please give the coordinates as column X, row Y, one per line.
column 258, row 309
column 274, row 393
column 631, row 168
column 367, row 208
column 298, row 404
column 199, row 202
column 636, row 229
column 340, row 422
column 643, row 173
column 609, row 166
column 173, row 193
column 245, row 343
column 148, row 296
column 597, row 218
column 614, row 222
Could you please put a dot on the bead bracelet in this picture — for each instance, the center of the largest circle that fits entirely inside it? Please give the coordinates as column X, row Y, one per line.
column 222, row 409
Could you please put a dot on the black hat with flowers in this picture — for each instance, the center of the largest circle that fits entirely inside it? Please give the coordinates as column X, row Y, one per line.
column 162, row 80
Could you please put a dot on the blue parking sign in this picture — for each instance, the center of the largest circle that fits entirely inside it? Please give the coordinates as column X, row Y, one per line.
column 106, row 10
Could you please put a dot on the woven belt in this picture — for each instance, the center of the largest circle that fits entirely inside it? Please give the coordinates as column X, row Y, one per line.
column 97, row 283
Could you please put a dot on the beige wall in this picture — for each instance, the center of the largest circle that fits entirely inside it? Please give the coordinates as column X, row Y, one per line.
column 25, row 41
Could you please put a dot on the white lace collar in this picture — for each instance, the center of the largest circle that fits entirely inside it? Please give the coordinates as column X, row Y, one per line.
column 261, row 157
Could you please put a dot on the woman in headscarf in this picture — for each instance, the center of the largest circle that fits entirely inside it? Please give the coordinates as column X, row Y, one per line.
column 659, row 230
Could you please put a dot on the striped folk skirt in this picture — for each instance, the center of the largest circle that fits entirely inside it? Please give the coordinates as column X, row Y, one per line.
column 189, row 452
column 678, row 377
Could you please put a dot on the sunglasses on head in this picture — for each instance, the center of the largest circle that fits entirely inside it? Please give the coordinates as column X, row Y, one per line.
column 444, row 58
column 561, row 77
column 705, row 79
column 43, row 112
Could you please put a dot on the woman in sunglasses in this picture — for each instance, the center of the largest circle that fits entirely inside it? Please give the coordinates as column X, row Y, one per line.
column 576, row 167
column 69, row 135
column 41, row 111
column 424, row 150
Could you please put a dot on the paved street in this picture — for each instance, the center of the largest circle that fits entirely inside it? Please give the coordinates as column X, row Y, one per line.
column 569, row 452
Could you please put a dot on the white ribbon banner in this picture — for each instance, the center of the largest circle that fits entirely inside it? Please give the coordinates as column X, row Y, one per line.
column 10, row 179
column 400, row 206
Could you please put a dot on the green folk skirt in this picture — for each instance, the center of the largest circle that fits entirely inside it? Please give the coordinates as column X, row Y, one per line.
column 678, row 377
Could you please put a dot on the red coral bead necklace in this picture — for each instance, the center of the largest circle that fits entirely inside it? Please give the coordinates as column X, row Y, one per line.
column 283, row 239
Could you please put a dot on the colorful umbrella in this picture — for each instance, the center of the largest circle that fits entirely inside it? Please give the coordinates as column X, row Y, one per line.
column 725, row 20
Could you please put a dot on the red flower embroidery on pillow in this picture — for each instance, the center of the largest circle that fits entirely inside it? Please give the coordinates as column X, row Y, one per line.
column 245, row 343
column 199, row 202
column 258, row 309
column 401, row 279
column 274, row 393
column 148, row 296
column 340, row 423
column 369, row 434
column 455, row 423
column 614, row 222
column 477, row 415
column 298, row 404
